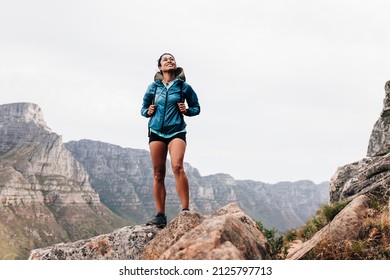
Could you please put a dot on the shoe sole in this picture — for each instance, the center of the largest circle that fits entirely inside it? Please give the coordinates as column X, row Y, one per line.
column 159, row 226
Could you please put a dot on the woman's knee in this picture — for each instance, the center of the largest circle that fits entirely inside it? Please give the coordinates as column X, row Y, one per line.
column 178, row 169
column 159, row 174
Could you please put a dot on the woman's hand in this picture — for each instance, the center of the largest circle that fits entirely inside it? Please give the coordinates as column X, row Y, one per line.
column 182, row 107
column 152, row 109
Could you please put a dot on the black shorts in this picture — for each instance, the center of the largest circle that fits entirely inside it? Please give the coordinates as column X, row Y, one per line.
column 155, row 137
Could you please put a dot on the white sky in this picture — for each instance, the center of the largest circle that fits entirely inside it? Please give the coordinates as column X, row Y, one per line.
column 289, row 90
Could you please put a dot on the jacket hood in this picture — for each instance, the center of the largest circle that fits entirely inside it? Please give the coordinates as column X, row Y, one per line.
column 179, row 74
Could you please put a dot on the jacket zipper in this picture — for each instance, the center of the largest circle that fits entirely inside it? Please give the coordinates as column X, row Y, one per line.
column 165, row 109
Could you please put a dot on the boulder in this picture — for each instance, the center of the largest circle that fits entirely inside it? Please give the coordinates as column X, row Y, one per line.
column 228, row 234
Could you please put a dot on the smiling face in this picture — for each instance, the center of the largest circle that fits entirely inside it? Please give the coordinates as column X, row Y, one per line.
column 167, row 63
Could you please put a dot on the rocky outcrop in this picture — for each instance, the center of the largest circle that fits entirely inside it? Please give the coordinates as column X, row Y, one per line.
column 123, row 179
column 126, row 243
column 228, row 234
column 368, row 176
column 379, row 143
column 356, row 183
column 45, row 194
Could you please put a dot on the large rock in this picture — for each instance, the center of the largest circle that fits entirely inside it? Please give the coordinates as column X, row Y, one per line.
column 123, row 244
column 345, row 226
column 228, row 234
column 181, row 225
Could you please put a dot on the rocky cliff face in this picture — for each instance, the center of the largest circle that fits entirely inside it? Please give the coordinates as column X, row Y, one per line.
column 365, row 186
column 123, row 179
column 379, row 143
column 45, row 194
column 35, row 165
column 371, row 174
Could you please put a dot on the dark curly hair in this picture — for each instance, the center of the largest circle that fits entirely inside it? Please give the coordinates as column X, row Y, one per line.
column 159, row 60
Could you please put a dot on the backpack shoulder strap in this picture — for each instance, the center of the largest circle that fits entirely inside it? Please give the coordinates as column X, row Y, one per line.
column 182, row 99
column 154, row 94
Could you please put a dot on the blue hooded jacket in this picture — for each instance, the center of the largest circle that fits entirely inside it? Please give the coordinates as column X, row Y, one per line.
column 167, row 119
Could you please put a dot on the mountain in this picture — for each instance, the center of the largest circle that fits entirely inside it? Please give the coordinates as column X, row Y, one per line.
column 123, row 178
column 45, row 194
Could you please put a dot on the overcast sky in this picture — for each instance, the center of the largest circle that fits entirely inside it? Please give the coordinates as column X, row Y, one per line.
column 289, row 90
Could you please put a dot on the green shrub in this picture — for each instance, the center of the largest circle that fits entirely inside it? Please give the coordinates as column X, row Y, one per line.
column 274, row 239
column 330, row 211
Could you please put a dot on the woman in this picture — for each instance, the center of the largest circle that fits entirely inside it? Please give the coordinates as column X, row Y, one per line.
column 164, row 103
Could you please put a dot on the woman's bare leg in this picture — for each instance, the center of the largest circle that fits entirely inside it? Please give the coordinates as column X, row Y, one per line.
column 177, row 149
column 158, row 152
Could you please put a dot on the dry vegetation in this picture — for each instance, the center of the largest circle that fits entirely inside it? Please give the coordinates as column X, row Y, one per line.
column 373, row 242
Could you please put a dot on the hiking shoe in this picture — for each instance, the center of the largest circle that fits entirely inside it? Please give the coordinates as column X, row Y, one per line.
column 160, row 221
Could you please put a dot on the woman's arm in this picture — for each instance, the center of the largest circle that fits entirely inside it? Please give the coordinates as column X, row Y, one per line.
column 192, row 101
column 148, row 100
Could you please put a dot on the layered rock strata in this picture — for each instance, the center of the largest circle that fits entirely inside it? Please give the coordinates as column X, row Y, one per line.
column 35, row 166
column 45, row 194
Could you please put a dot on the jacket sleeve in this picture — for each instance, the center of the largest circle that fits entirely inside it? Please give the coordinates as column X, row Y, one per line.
column 147, row 100
column 192, row 101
